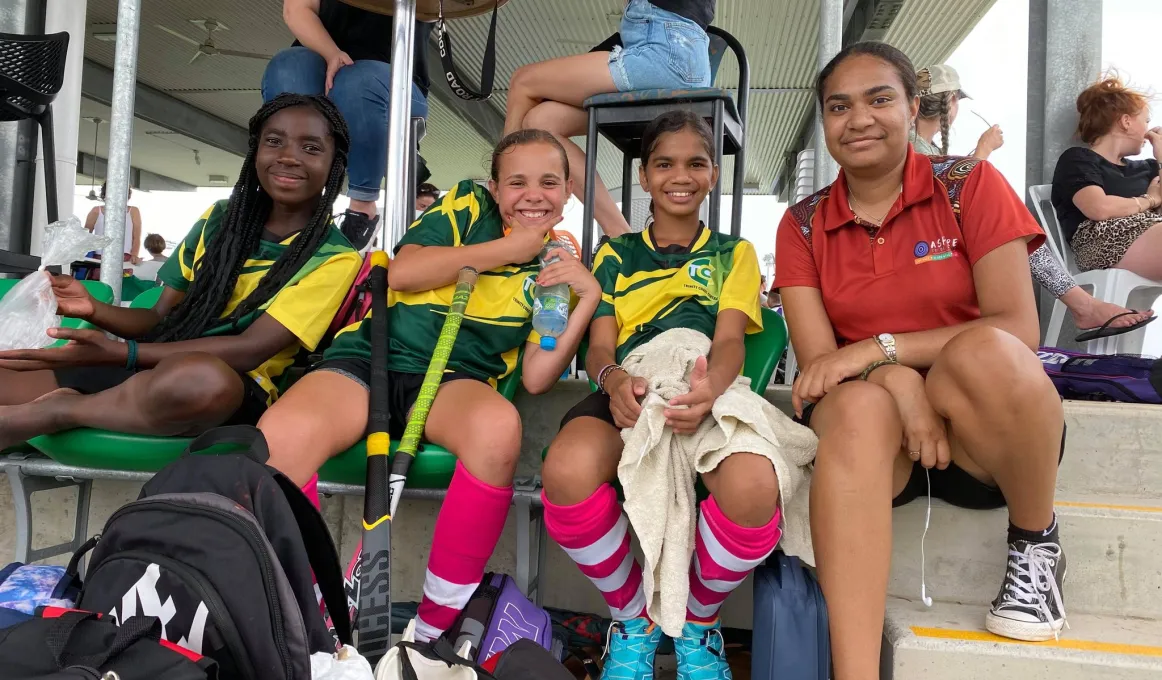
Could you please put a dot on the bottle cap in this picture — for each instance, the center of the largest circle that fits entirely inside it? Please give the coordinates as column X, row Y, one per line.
column 548, row 343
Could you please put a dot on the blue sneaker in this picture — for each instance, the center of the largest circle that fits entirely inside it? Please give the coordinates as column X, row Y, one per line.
column 702, row 652
column 630, row 648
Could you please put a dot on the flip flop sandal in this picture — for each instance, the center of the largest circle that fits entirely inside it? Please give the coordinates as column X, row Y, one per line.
column 1104, row 331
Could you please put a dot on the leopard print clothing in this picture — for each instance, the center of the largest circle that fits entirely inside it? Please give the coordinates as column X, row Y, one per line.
column 1101, row 245
column 1048, row 271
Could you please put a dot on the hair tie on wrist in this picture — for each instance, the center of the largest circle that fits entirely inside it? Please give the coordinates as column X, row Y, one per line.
column 131, row 359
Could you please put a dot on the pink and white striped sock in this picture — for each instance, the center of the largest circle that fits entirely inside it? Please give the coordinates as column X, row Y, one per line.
column 467, row 531
column 595, row 533
column 724, row 553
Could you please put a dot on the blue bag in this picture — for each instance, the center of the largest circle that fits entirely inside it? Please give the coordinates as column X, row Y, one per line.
column 791, row 637
column 23, row 588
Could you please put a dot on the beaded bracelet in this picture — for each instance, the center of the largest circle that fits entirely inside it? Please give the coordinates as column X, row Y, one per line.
column 605, row 373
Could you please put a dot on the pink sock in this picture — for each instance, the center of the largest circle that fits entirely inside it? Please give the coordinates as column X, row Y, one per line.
column 595, row 533
column 311, row 490
column 467, row 531
column 724, row 553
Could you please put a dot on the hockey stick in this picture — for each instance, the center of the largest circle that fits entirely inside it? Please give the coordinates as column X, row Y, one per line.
column 375, row 558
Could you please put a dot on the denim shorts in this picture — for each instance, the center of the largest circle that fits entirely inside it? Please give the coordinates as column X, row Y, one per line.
column 660, row 50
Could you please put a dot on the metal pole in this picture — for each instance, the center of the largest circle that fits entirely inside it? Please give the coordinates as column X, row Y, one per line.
column 399, row 212
column 120, row 142
column 830, row 42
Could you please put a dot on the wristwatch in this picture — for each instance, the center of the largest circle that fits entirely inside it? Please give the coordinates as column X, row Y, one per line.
column 887, row 343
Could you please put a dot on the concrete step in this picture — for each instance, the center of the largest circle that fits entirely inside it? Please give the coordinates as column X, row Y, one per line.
column 1113, row 545
column 1112, row 449
column 949, row 642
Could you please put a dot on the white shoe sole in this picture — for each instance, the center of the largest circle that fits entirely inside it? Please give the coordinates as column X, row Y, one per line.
column 1023, row 630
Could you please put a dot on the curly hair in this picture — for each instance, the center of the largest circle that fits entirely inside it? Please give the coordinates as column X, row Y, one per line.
column 1102, row 104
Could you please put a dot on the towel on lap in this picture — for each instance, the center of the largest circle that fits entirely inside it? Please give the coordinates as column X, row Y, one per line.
column 658, row 468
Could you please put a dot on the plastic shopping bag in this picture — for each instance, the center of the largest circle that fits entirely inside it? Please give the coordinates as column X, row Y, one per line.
column 29, row 309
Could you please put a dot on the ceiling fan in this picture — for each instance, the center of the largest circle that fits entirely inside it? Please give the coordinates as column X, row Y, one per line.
column 207, row 47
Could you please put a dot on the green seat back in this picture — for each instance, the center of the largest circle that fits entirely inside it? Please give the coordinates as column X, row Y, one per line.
column 147, row 298
column 132, row 287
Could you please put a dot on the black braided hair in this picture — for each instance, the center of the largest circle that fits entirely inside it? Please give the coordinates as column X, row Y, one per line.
column 216, row 273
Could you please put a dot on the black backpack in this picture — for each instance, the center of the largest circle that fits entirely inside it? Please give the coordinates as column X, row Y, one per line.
column 221, row 549
column 63, row 645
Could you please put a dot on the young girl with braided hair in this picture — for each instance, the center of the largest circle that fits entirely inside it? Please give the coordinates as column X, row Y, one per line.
column 257, row 279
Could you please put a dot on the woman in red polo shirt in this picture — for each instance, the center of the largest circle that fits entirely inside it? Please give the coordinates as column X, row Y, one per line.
column 907, row 290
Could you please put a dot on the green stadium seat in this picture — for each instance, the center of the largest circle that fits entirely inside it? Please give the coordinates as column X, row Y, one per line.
column 93, row 448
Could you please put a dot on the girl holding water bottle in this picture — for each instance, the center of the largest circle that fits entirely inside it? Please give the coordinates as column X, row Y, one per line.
column 675, row 274
column 499, row 231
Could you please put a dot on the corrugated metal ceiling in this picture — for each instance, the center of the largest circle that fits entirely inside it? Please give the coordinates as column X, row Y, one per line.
column 780, row 37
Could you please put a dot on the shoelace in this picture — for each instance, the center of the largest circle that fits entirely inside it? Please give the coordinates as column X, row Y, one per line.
column 1030, row 575
column 712, row 666
column 634, row 642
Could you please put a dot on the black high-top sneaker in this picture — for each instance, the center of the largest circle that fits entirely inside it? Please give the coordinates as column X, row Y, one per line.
column 1031, row 604
column 357, row 227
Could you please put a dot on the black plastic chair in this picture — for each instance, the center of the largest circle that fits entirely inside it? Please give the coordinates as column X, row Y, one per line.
column 622, row 117
column 32, row 71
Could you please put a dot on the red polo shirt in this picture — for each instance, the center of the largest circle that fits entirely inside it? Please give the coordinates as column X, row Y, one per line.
column 915, row 272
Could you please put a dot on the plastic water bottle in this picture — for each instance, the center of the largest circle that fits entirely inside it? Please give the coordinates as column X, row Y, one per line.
column 550, row 305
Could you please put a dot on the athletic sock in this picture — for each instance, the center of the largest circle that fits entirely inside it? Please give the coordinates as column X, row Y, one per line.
column 724, row 553
column 595, row 533
column 311, row 491
column 1049, row 535
column 467, row 530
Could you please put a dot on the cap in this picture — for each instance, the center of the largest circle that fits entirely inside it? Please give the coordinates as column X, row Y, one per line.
column 548, row 343
column 939, row 78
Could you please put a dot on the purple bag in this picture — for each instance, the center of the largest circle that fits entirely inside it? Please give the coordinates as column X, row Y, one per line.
column 497, row 616
column 1114, row 377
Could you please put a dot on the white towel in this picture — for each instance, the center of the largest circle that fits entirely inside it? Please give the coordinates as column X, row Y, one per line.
column 658, row 468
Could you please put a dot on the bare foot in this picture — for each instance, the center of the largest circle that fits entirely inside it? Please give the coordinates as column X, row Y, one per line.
column 20, row 423
column 1098, row 312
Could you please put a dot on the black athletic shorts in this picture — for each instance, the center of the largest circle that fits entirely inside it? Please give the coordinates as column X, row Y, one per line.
column 594, row 405
column 403, row 388
column 93, row 379
column 951, row 484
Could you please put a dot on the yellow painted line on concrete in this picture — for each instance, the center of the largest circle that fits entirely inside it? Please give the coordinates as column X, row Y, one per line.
column 1106, row 506
column 1080, row 645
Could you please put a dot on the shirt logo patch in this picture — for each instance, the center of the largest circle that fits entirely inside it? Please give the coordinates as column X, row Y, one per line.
column 935, row 250
column 528, row 288
column 700, row 271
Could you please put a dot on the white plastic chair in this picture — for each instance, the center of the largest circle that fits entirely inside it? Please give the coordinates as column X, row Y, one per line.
column 1117, row 286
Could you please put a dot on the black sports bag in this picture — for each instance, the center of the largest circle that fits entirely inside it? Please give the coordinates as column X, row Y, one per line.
column 221, row 549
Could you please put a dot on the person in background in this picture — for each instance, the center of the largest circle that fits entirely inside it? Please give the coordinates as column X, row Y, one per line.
column 774, row 300
column 661, row 44
column 1110, row 206
column 905, row 320
column 131, row 246
column 940, row 95
column 155, row 246
column 426, row 195
column 345, row 53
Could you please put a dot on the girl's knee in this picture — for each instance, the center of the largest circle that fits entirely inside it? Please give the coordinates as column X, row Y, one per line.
column 195, row 385
column 495, row 428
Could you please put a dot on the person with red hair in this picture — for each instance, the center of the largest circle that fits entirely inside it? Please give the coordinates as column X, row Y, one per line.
column 1110, row 207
